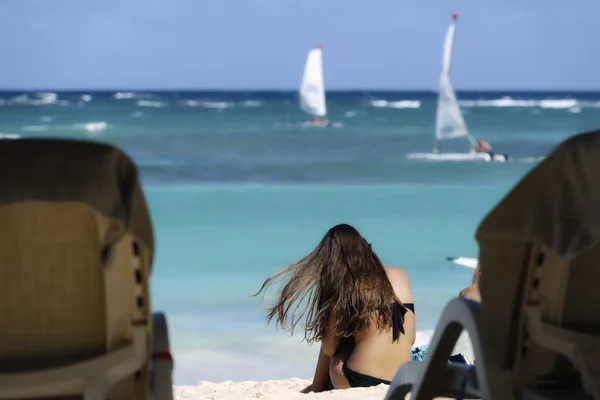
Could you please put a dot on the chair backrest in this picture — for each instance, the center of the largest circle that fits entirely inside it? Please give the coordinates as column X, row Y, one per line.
column 540, row 271
column 77, row 246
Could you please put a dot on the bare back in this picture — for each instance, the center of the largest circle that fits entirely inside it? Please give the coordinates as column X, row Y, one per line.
column 375, row 353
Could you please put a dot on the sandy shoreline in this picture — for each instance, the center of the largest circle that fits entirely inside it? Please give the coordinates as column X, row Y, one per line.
column 287, row 389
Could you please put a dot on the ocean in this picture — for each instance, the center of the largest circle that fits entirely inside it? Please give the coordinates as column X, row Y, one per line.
column 239, row 186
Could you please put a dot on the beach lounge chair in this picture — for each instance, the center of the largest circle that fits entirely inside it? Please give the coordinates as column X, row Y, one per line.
column 76, row 249
column 536, row 334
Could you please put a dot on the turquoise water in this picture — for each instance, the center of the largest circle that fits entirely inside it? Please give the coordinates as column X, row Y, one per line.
column 238, row 188
column 211, row 263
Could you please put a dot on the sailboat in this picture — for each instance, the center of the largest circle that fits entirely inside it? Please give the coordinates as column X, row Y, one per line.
column 450, row 123
column 312, row 88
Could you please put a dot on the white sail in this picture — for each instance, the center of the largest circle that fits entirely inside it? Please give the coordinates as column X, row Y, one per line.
column 450, row 123
column 312, row 89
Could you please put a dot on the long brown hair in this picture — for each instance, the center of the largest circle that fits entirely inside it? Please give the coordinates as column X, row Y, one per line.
column 342, row 277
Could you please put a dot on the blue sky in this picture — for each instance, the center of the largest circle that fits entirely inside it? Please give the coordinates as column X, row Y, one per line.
column 245, row 44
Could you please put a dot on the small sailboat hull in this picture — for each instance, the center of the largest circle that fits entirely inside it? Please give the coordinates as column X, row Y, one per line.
column 321, row 124
column 317, row 124
column 464, row 261
column 487, row 157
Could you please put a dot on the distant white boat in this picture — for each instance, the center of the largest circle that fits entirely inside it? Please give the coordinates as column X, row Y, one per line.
column 464, row 261
column 312, row 88
column 453, row 156
column 450, row 123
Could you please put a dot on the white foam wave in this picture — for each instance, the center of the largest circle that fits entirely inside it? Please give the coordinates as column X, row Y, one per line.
column 34, row 128
column 9, row 135
column 405, row 104
column 151, row 103
column 395, row 104
column 38, row 99
column 47, row 98
column 565, row 103
column 46, row 118
column 514, row 103
column 503, row 102
column 252, row 103
column 573, row 105
column 20, row 99
column 93, row 127
column 190, row 103
column 86, row 97
column 378, row 103
column 216, row 104
column 124, row 95
column 221, row 105
column 350, row 114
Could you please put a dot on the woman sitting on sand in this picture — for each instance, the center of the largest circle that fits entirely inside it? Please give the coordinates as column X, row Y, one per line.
column 360, row 311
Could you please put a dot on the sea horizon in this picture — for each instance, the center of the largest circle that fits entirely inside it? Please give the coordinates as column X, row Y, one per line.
column 293, row 90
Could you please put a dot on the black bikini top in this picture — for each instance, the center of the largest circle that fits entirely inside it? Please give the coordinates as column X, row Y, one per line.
column 398, row 311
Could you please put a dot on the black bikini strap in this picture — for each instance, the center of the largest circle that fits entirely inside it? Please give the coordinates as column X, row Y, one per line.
column 398, row 312
column 397, row 324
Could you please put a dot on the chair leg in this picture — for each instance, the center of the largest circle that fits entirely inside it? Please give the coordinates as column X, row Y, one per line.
column 162, row 362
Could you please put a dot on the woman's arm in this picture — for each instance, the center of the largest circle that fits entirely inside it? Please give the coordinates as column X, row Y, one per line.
column 330, row 343
column 329, row 346
column 321, row 380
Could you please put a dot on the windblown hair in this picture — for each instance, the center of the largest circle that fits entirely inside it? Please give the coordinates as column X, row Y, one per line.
column 341, row 285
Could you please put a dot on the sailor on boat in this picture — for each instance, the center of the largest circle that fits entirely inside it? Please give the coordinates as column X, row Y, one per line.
column 321, row 121
column 481, row 146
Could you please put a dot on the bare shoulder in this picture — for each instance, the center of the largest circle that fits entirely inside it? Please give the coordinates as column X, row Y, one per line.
column 396, row 273
column 400, row 282
column 471, row 292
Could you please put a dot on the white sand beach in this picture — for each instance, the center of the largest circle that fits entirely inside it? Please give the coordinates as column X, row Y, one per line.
column 288, row 389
